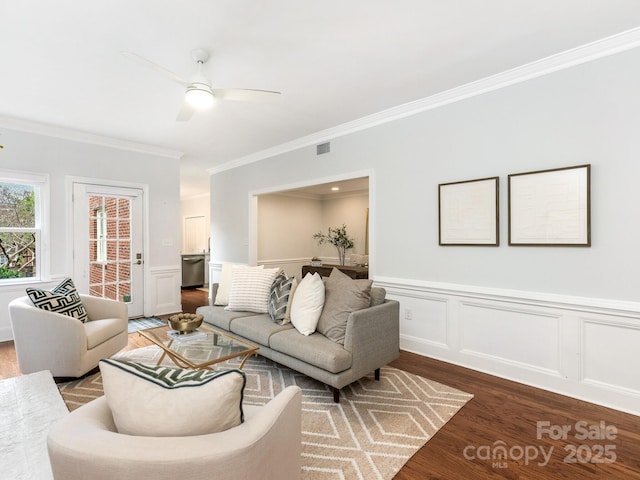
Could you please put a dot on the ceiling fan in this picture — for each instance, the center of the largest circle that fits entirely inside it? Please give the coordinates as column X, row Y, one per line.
column 199, row 93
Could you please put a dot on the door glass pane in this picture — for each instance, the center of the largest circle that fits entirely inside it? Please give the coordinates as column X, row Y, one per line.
column 110, row 247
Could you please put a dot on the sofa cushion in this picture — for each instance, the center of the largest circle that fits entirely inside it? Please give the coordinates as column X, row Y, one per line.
column 163, row 401
column 99, row 331
column 343, row 295
column 314, row 349
column 218, row 316
column 250, row 289
column 257, row 328
column 63, row 298
column 307, row 303
column 280, row 298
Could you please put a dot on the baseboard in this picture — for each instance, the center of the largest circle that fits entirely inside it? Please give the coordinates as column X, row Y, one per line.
column 6, row 334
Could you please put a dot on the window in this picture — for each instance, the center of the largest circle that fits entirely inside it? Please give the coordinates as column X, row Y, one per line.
column 101, row 234
column 21, row 226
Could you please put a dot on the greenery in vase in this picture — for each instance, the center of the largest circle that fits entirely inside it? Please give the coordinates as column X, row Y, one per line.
column 337, row 237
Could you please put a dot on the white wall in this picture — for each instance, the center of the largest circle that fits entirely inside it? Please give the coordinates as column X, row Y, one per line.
column 350, row 210
column 559, row 318
column 61, row 159
column 286, row 225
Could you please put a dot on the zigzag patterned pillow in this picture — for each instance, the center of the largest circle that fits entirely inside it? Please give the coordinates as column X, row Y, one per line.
column 150, row 400
column 280, row 297
column 63, row 299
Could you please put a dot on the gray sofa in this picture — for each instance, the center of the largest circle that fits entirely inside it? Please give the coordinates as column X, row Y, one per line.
column 371, row 341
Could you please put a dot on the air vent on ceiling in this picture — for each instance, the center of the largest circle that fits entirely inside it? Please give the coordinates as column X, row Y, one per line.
column 323, row 148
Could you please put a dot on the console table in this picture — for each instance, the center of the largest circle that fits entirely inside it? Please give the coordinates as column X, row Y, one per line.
column 325, row 270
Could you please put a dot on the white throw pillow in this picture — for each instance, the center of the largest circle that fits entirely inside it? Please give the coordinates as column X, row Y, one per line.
column 224, row 283
column 307, row 304
column 150, row 400
column 250, row 289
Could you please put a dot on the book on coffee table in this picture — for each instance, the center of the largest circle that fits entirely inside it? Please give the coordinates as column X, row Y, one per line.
column 182, row 337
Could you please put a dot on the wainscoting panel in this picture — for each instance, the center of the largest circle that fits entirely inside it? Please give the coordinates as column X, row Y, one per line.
column 612, row 354
column 425, row 317
column 164, row 288
column 584, row 348
column 527, row 338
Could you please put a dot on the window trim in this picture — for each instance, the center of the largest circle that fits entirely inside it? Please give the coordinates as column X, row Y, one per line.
column 40, row 183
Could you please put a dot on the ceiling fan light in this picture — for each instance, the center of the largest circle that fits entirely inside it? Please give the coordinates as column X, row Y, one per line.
column 199, row 97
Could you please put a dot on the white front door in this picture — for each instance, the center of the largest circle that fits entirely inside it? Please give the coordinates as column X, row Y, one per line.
column 107, row 243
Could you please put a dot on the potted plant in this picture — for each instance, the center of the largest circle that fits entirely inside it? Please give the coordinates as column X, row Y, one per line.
column 338, row 238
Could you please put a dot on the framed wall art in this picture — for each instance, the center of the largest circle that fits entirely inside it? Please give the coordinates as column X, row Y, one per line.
column 468, row 212
column 551, row 207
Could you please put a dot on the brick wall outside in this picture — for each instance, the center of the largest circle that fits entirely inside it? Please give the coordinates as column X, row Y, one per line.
column 110, row 278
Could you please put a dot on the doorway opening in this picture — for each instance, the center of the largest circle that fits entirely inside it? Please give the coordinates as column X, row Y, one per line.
column 284, row 219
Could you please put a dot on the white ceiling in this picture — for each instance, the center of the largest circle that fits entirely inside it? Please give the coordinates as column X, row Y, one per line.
column 333, row 60
column 326, row 191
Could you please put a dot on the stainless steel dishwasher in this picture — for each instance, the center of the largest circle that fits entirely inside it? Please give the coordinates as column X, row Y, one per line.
column 192, row 270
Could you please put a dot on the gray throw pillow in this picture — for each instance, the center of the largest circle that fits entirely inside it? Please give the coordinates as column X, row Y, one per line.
column 378, row 294
column 343, row 295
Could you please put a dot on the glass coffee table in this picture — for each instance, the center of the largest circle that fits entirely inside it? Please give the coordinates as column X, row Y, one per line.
column 201, row 349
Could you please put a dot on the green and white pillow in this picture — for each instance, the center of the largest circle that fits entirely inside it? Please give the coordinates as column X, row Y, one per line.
column 162, row 401
column 64, row 299
column 280, row 298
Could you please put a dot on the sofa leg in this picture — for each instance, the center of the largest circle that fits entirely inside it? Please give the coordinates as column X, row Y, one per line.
column 376, row 374
column 336, row 394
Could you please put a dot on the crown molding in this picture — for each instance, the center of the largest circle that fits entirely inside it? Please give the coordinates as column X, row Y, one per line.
column 85, row 137
column 583, row 54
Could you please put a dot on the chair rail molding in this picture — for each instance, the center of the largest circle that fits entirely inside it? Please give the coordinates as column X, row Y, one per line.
column 575, row 346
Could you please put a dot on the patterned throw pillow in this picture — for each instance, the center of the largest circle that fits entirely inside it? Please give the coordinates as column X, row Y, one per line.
column 250, row 289
column 280, row 298
column 163, row 401
column 225, row 280
column 63, row 299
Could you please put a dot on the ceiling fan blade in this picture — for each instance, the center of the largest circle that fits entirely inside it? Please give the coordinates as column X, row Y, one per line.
column 247, row 95
column 185, row 113
column 154, row 66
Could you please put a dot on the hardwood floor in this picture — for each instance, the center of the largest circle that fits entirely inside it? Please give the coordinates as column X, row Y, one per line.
column 502, row 413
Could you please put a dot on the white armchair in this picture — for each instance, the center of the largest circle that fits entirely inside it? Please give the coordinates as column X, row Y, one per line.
column 266, row 446
column 65, row 346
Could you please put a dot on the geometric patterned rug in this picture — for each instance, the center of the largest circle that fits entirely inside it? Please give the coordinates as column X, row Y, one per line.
column 370, row 434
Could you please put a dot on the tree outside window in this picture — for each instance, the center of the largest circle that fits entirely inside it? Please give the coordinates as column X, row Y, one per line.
column 19, row 231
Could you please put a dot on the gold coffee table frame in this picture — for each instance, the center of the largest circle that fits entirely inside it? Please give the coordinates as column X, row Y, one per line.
column 178, row 350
